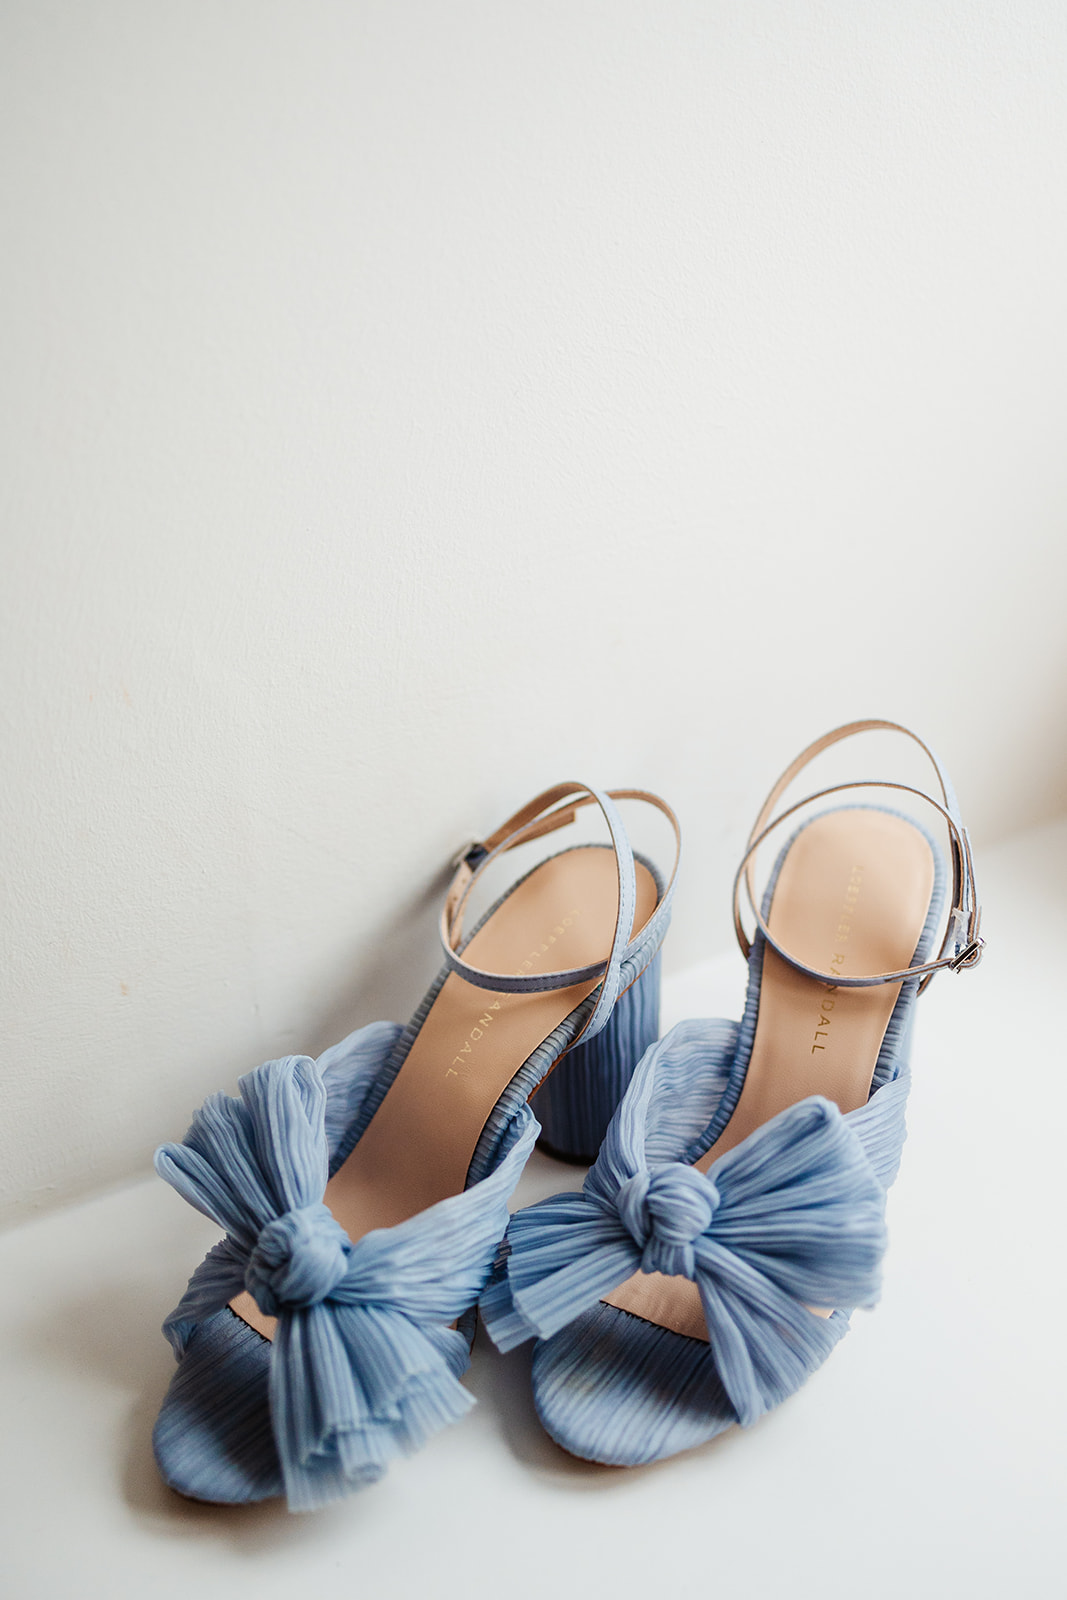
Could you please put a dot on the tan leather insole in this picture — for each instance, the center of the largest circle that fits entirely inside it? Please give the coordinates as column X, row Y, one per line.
column 418, row 1146
column 852, row 897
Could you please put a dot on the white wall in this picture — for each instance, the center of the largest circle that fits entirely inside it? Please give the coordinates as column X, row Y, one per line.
column 410, row 404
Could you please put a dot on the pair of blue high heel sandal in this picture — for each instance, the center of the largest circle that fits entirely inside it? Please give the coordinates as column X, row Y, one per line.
column 732, row 1218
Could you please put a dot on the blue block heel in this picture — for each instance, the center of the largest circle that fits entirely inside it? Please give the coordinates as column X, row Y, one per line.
column 736, row 1212
column 364, row 1195
column 577, row 1101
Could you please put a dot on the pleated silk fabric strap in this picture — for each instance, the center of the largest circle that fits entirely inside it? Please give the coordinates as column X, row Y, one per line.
column 792, row 1217
column 553, row 809
column 962, row 944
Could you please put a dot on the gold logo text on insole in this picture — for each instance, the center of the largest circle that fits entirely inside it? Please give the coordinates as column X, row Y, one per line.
column 462, row 1059
column 842, row 934
column 538, row 953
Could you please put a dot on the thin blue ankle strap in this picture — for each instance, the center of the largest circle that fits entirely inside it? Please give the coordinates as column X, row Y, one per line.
column 553, row 809
column 962, row 944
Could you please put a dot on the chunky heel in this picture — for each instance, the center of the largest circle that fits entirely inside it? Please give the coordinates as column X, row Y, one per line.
column 578, row 1100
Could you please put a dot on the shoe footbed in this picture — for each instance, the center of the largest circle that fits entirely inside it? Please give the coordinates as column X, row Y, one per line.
column 418, row 1146
column 851, row 897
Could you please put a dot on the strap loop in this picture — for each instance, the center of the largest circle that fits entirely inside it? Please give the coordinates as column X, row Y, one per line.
column 962, row 944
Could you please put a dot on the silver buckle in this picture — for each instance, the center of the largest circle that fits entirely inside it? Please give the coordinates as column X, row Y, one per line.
column 469, row 848
column 969, row 956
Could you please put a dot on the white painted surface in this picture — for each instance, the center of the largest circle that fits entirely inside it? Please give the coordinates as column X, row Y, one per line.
column 408, row 405
column 925, row 1459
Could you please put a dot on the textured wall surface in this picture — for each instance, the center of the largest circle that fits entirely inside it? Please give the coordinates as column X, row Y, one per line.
column 407, row 405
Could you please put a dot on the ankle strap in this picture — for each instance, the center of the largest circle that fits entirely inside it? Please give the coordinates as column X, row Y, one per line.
column 962, row 944
column 553, row 809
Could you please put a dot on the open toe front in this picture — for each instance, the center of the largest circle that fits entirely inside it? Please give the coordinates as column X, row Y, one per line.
column 613, row 1388
column 213, row 1438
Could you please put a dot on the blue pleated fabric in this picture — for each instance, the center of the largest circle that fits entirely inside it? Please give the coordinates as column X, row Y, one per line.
column 577, row 1100
column 364, row 1364
column 794, row 1216
column 791, row 1218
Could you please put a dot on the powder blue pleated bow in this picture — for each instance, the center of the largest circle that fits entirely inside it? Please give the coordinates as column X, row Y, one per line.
column 364, row 1364
column 791, row 1218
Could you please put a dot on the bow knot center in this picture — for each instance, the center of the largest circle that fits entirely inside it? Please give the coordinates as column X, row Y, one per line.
column 666, row 1210
column 298, row 1259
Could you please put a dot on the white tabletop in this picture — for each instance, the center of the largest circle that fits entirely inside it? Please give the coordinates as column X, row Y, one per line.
column 924, row 1459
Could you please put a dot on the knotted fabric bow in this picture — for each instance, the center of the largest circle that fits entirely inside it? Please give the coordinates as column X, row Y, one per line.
column 791, row 1218
column 364, row 1364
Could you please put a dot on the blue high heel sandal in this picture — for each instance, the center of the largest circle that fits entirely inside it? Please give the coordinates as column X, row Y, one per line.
column 364, row 1195
column 736, row 1210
